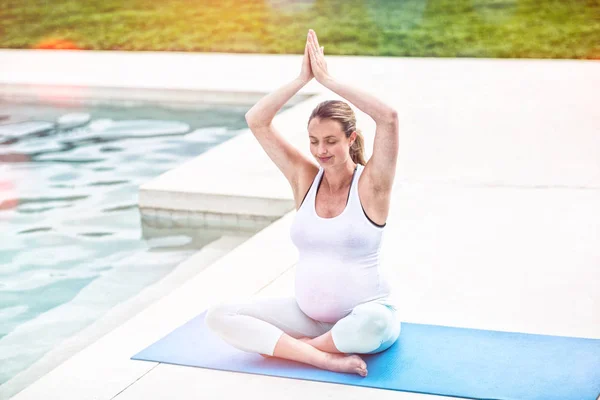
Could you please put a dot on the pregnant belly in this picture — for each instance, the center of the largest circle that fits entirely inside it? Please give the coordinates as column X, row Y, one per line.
column 328, row 294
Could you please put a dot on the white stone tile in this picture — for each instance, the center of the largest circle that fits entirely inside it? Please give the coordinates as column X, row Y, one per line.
column 148, row 212
column 508, row 259
column 262, row 223
column 197, row 219
column 164, row 219
column 180, row 218
column 229, row 220
column 148, row 215
column 213, row 220
column 246, row 222
column 282, row 286
column 173, row 381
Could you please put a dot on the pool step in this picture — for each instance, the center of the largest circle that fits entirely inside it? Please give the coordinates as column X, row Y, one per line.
column 163, row 218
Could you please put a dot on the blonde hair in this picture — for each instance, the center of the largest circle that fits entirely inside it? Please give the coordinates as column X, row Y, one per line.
column 340, row 111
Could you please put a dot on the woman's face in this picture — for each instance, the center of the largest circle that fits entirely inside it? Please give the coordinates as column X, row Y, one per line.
column 328, row 144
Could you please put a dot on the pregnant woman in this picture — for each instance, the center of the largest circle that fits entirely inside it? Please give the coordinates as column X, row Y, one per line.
column 342, row 305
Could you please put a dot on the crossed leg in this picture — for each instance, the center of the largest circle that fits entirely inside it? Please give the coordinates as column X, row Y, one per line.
column 277, row 327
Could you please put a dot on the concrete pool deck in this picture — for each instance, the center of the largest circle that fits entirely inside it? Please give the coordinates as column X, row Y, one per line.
column 494, row 221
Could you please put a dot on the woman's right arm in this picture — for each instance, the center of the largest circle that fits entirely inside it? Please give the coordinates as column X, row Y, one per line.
column 290, row 161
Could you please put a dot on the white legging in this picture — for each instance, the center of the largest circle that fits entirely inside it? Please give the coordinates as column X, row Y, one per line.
column 256, row 325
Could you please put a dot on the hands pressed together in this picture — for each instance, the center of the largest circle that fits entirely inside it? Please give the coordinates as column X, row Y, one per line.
column 313, row 63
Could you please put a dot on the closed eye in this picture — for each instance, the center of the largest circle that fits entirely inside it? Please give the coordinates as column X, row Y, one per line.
column 327, row 142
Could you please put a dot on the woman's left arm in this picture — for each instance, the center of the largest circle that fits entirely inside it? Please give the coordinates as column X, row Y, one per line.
column 381, row 167
column 376, row 109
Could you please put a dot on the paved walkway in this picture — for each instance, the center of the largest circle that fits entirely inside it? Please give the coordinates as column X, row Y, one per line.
column 494, row 225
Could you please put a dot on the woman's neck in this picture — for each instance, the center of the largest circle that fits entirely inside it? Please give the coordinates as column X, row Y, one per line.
column 338, row 178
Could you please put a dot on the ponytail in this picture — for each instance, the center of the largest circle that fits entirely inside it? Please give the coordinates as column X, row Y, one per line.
column 357, row 150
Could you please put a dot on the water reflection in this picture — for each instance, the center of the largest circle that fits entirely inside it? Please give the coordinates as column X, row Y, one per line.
column 70, row 226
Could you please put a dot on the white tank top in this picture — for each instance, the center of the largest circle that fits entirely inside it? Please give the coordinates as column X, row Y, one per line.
column 338, row 266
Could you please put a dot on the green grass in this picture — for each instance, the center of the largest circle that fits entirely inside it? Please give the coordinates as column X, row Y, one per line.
column 434, row 28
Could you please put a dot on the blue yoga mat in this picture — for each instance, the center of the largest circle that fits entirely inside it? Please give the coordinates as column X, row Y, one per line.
column 428, row 359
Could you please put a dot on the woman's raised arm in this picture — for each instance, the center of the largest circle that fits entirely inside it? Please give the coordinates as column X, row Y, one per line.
column 290, row 161
column 381, row 167
column 263, row 112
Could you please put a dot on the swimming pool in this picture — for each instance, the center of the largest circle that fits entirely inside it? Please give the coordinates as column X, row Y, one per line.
column 72, row 241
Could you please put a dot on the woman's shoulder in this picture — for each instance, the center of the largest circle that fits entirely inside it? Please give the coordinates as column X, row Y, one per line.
column 306, row 177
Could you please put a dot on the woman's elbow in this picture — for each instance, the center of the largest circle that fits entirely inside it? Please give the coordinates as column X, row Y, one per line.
column 250, row 120
column 253, row 121
column 388, row 116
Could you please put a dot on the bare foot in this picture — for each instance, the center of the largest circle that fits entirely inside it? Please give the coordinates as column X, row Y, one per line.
column 345, row 363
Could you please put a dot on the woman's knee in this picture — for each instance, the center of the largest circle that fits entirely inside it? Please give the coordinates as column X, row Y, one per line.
column 369, row 328
column 373, row 319
column 216, row 316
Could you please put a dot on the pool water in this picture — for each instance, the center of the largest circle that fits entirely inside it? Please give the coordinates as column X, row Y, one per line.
column 69, row 178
